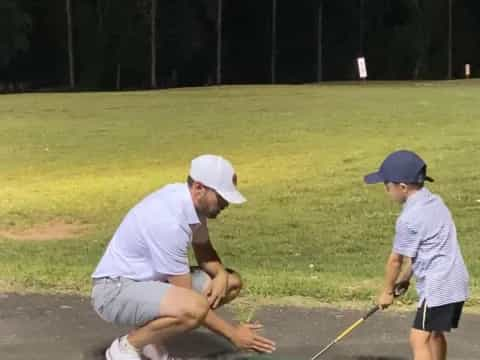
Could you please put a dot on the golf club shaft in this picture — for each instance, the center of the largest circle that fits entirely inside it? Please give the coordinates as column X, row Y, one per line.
column 347, row 331
column 324, row 350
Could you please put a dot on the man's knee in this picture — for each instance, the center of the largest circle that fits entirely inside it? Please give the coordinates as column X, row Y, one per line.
column 192, row 311
column 185, row 305
column 235, row 285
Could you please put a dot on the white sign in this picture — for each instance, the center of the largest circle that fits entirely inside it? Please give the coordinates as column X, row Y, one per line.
column 467, row 70
column 362, row 68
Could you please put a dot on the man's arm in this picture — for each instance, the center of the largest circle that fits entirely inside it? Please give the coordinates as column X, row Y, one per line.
column 209, row 261
column 206, row 255
column 207, row 258
column 244, row 336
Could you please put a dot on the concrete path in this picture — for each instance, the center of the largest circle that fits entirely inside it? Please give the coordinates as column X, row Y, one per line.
column 36, row 327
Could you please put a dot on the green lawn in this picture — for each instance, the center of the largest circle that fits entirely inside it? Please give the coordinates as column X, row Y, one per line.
column 300, row 153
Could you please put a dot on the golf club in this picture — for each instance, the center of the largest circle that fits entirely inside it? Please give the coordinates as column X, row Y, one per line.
column 400, row 289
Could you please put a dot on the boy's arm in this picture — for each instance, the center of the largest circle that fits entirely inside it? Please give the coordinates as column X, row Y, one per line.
column 392, row 273
column 406, row 244
column 407, row 271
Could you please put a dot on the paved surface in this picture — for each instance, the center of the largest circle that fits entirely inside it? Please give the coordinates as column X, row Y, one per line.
column 38, row 327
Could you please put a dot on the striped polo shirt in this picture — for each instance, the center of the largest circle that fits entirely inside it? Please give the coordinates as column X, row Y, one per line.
column 425, row 232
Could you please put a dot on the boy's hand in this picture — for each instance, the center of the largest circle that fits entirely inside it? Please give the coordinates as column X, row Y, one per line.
column 401, row 287
column 386, row 299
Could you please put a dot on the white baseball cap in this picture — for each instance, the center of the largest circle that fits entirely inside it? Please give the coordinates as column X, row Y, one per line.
column 217, row 173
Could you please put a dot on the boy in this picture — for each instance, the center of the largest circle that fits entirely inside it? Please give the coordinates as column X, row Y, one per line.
column 426, row 242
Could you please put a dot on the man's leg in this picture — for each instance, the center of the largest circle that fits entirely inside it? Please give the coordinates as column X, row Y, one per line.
column 180, row 310
column 438, row 346
column 157, row 310
column 201, row 280
column 420, row 343
column 234, row 287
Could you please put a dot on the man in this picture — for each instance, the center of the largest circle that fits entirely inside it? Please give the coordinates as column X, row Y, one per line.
column 144, row 279
column 426, row 242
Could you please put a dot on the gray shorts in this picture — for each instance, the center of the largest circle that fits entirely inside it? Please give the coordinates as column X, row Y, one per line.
column 126, row 302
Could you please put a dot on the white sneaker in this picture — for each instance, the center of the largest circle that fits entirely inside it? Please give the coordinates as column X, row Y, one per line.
column 118, row 352
column 153, row 352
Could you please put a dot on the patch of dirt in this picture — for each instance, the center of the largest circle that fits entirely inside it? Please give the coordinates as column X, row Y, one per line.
column 53, row 230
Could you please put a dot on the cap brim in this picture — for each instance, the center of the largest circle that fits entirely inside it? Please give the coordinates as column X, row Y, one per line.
column 232, row 197
column 428, row 178
column 374, row 178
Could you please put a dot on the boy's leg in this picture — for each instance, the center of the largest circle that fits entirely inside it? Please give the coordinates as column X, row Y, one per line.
column 420, row 343
column 438, row 345
column 436, row 321
column 441, row 320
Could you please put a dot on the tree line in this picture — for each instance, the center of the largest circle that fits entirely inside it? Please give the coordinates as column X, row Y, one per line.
column 130, row 44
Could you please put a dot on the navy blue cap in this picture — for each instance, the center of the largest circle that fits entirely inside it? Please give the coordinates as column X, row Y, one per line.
column 400, row 167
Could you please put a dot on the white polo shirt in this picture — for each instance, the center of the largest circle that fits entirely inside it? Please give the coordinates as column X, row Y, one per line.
column 152, row 241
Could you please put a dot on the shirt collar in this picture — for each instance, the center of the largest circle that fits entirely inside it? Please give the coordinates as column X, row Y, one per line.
column 415, row 198
column 188, row 208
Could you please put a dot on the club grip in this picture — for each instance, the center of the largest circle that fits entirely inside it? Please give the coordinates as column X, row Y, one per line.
column 401, row 288
column 372, row 311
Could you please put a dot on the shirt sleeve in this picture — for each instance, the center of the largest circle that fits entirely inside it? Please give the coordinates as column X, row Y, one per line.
column 407, row 240
column 168, row 246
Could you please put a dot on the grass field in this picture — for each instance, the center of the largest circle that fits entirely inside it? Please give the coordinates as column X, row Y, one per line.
column 310, row 228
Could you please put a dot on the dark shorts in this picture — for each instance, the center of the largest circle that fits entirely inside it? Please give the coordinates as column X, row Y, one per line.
column 440, row 318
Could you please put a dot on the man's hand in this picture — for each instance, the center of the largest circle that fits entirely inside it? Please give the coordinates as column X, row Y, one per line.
column 246, row 337
column 217, row 290
column 386, row 299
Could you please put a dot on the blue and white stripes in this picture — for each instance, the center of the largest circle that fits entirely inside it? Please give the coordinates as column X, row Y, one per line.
column 425, row 232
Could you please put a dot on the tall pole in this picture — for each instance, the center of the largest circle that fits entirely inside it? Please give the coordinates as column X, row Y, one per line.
column 362, row 30
column 71, row 64
column 153, row 45
column 450, row 38
column 219, row 41
column 273, row 65
column 320, row 42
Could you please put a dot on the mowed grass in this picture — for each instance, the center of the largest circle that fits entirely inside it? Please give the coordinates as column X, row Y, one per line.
column 310, row 228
